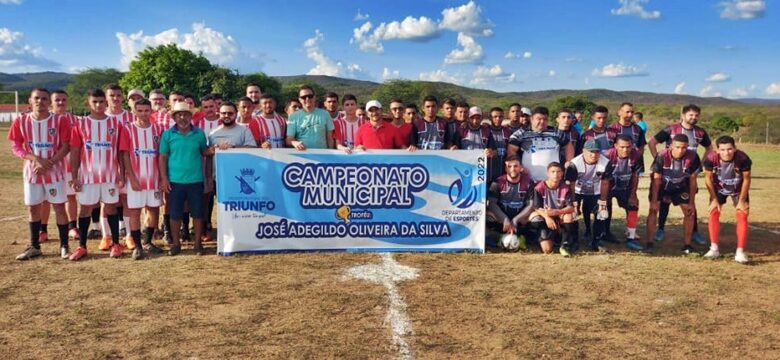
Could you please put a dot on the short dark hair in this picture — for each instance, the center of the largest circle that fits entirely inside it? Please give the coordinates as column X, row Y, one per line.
column 189, row 96
column 93, row 93
column 175, row 92
column 267, row 96
column 142, row 102
column 40, row 89
column 59, row 91
column 290, row 102
column 565, row 110
column 332, row 95
column 450, row 102
column 231, row 104
column 207, row 98
column 691, row 107
column 413, row 106
column 397, row 100
column 600, row 109
column 305, row 87
column 681, row 138
column 462, row 104
column 216, row 96
column 253, row 84
column 639, row 115
column 511, row 158
column 347, row 97
column 623, row 137
column 496, row 109
column 554, row 164
column 625, row 103
column 514, row 104
column 113, row 87
column 540, row 110
column 431, row 98
column 245, row 98
column 725, row 139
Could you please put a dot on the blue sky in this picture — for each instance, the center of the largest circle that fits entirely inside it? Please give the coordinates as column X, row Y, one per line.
column 705, row 48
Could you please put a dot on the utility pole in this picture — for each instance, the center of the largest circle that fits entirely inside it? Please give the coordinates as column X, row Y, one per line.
column 767, row 132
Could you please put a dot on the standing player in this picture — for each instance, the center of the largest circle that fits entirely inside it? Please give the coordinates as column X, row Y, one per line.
column 539, row 146
column 462, row 112
column 331, row 105
column 402, row 126
column 448, row 107
column 40, row 138
column 509, row 201
column 626, row 164
column 626, row 126
column 553, row 212
column 564, row 121
column 674, row 174
column 269, row 128
column 501, row 135
column 208, row 122
column 140, row 157
column 115, row 98
column 589, row 174
column 431, row 132
column 253, row 92
column 134, row 96
column 600, row 132
column 346, row 124
column 246, row 109
column 97, row 175
column 727, row 174
column 292, row 106
column 689, row 117
column 515, row 116
column 475, row 135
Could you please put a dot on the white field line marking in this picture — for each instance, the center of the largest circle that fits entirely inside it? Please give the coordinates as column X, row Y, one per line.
column 763, row 229
column 388, row 273
column 13, row 218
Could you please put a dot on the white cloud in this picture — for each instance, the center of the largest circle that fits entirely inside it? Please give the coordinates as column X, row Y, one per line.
column 212, row 44
column 636, row 8
column 440, row 76
column 718, row 77
column 327, row 66
column 511, row 56
column 679, row 89
column 366, row 41
column 742, row 92
column 742, row 9
column 18, row 56
column 388, row 74
column 552, row 73
column 466, row 19
column 470, row 51
column 709, row 91
column 773, row 89
column 495, row 74
column 619, row 70
column 360, row 16
column 10, row 2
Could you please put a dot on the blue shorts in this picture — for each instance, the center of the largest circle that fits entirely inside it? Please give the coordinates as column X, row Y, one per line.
column 192, row 194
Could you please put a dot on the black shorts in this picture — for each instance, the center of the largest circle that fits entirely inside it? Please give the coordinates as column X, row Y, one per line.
column 192, row 194
column 734, row 198
column 622, row 197
column 676, row 197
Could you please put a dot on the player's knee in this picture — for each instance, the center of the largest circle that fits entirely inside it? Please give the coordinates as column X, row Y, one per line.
column 715, row 211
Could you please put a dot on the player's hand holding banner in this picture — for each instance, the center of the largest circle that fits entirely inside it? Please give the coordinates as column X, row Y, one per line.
column 286, row 200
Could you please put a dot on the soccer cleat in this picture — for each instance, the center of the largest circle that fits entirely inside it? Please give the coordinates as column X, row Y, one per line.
column 73, row 234
column 105, row 243
column 741, row 258
column 43, row 237
column 688, row 250
column 565, row 252
column 138, row 253
column 94, row 234
column 712, row 254
column 129, row 242
column 167, row 237
column 649, row 247
column 198, row 250
column 153, row 249
column 659, row 235
column 697, row 238
column 610, row 238
column 175, row 250
column 29, row 253
column 79, row 254
column 521, row 245
column 634, row 245
column 64, row 252
column 116, row 251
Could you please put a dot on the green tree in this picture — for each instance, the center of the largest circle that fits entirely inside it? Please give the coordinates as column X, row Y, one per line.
column 220, row 81
column 89, row 79
column 168, row 67
column 724, row 124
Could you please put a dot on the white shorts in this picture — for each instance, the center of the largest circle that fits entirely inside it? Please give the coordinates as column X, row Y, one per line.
column 143, row 198
column 68, row 183
column 54, row 193
column 92, row 194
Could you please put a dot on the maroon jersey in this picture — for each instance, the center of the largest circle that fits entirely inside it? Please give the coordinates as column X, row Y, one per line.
column 623, row 169
column 676, row 173
column 696, row 136
column 728, row 174
column 633, row 131
column 544, row 197
column 605, row 139
column 511, row 197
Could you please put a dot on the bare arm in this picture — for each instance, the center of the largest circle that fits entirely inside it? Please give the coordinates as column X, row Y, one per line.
column 653, row 147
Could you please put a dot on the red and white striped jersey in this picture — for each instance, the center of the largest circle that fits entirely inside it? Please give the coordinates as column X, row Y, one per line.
column 162, row 118
column 100, row 146
column 144, row 151
column 42, row 138
column 345, row 131
column 72, row 120
column 206, row 125
column 125, row 117
column 272, row 129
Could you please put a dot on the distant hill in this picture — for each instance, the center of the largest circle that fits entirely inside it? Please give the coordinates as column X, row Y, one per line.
column 361, row 88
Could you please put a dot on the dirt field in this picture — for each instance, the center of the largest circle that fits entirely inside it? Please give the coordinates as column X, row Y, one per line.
column 468, row 306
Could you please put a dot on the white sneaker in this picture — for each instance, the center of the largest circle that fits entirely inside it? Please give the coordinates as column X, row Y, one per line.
column 64, row 252
column 712, row 254
column 741, row 258
column 29, row 253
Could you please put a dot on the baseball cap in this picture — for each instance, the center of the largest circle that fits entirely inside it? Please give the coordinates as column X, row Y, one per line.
column 373, row 103
column 475, row 110
column 525, row 111
column 136, row 92
column 591, row 145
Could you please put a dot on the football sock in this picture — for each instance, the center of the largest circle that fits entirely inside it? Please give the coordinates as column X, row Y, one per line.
column 35, row 229
column 742, row 229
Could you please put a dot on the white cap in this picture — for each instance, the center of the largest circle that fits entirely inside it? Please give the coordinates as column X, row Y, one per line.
column 475, row 110
column 526, row 111
column 373, row 103
column 136, row 92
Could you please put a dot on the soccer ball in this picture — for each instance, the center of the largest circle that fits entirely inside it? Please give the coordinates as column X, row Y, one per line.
column 509, row 242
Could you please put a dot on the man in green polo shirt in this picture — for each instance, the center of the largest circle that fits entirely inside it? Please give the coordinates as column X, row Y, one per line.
column 181, row 173
column 309, row 127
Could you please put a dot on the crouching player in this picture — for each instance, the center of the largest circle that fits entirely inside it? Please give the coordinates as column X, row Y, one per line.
column 727, row 174
column 508, row 205
column 553, row 213
column 140, row 159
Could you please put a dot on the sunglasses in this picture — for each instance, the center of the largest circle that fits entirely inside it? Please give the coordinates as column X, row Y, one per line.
column 307, row 96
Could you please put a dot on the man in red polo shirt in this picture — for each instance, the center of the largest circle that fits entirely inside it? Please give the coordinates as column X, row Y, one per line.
column 376, row 134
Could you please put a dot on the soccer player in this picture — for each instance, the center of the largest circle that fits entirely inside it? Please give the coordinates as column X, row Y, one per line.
column 474, row 135
column 246, row 109
column 564, row 121
column 115, row 98
column 253, row 92
column 190, row 100
column 309, row 127
column 514, row 119
column 402, row 126
column 727, row 175
column 689, row 117
column 462, row 112
column 600, row 132
column 269, row 128
column 134, row 96
column 509, row 203
column 141, row 163
column 639, row 119
column 674, row 177
column 159, row 109
column 626, row 126
column 376, row 134
column 292, row 106
column 431, row 132
column 331, row 104
column 553, row 211
column 95, row 145
column 501, row 135
column 346, row 123
column 208, row 122
column 540, row 145
column 627, row 165
column 40, row 138
column 589, row 174
column 448, row 107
